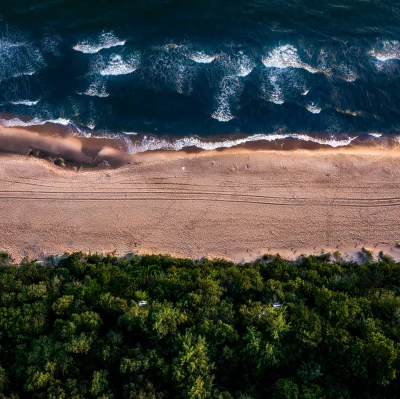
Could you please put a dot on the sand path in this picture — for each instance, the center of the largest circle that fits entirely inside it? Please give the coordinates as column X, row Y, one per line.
column 236, row 205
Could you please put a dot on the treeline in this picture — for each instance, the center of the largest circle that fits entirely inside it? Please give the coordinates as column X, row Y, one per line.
column 146, row 327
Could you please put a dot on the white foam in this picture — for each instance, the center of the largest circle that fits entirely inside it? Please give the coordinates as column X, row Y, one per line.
column 129, row 146
column 180, row 78
column 169, row 66
column 201, row 57
column 116, row 65
column 18, row 55
column 278, row 84
column 245, row 64
column 24, row 102
column 153, row 143
column 4, row 44
column 313, row 108
column 170, row 46
column 227, row 96
column 286, row 57
column 222, row 113
column 105, row 40
column 345, row 72
column 25, row 73
column 376, row 135
column 236, row 64
column 271, row 86
column 327, row 64
column 388, row 50
column 276, row 95
column 192, row 141
column 97, row 89
column 16, row 122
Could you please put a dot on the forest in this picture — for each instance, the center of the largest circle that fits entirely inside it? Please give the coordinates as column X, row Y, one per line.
column 147, row 327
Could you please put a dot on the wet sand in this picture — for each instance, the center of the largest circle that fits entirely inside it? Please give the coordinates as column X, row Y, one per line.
column 234, row 204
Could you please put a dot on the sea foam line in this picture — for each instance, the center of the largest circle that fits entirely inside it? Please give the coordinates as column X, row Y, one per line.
column 122, row 137
column 154, row 143
column 16, row 122
column 24, row 102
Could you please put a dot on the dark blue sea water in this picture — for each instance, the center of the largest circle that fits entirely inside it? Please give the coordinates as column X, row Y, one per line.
column 176, row 73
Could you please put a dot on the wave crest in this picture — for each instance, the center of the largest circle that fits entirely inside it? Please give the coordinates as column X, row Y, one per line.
column 116, row 65
column 286, row 57
column 105, row 40
column 154, row 143
column 201, row 57
column 25, row 102
column 387, row 50
column 97, row 88
column 313, row 108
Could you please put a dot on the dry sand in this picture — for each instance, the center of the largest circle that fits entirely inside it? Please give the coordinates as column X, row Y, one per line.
column 232, row 204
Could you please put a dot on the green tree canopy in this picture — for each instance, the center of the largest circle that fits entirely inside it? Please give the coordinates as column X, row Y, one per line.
column 152, row 327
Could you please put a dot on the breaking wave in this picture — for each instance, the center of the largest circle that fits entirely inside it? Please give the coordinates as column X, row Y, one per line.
column 97, row 88
column 154, row 143
column 244, row 64
column 104, row 41
column 387, row 50
column 229, row 81
column 313, row 108
column 115, row 64
column 128, row 146
column 274, row 93
column 286, row 57
column 16, row 122
column 25, row 102
column 201, row 57
column 235, row 64
column 277, row 85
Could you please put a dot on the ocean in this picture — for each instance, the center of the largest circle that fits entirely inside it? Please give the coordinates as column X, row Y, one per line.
column 173, row 74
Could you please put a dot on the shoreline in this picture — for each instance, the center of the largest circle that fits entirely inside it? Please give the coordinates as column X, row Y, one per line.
column 55, row 145
column 232, row 204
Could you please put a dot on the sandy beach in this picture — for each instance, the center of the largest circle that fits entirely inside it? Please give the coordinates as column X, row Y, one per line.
column 234, row 204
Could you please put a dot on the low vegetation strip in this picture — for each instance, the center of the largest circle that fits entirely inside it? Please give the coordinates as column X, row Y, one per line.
column 89, row 326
